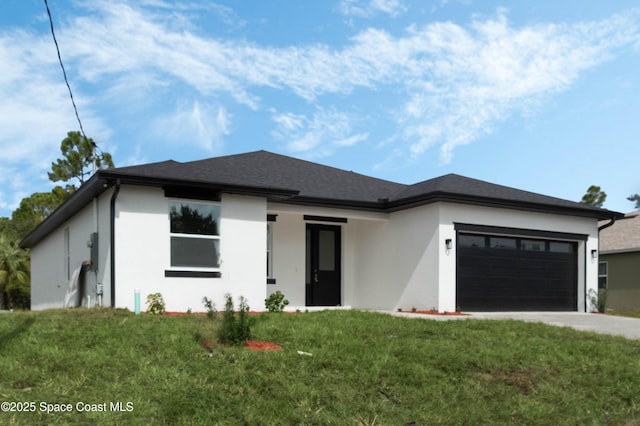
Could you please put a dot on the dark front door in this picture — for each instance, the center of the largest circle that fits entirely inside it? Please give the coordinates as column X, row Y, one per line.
column 323, row 269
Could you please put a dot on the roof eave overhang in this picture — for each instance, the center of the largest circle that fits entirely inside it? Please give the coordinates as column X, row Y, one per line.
column 334, row 203
column 222, row 187
column 103, row 179
column 80, row 198
column 398, row 205
column 599, row 214
column 620, row 251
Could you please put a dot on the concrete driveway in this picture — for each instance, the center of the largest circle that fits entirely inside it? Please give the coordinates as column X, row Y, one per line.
column 605, row 324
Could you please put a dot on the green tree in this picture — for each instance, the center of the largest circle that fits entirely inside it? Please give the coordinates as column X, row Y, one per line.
column 77, row 160
column 635, row 198
column 34, row 209
column 8, row 229
column 594, row 196
column 14, row 272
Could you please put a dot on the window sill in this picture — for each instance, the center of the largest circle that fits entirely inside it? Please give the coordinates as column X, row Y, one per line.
column 170, row 273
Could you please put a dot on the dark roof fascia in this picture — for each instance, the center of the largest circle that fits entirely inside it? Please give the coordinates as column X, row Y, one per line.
column 424, row 199
column 438, row 196
column 103, row 179
column 80, row 198
column 332, row 203
column 226, row 188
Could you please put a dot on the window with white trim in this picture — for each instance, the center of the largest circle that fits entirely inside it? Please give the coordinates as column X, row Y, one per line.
column 271, row 219
column 195, row 235
column 269, row 250
column 603, row 274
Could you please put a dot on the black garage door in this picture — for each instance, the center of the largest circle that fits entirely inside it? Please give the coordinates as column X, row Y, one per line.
column 501, row 273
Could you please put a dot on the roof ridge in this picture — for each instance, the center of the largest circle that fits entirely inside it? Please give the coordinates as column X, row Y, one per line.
column 295, row 159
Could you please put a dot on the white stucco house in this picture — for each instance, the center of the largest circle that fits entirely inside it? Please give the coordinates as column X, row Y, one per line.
column 254, row 223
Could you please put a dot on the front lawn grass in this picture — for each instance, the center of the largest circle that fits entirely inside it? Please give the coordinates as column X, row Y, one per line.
column 632, row 314
column 364, row 368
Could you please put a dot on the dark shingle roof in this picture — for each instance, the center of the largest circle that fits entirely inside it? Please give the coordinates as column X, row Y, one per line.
column 456, row 186
column 623, row 236
column 295, row 181
column 265, row 170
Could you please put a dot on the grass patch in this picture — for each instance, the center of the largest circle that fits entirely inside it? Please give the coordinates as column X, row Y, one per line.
column 365, row 368
column 634, row 314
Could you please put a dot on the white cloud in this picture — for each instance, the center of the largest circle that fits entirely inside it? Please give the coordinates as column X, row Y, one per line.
column 473, row 78
column 35, row 115
column 204, row 126
column 289, row 122
column 319, row 134
column 369, row 8
column 459, row 81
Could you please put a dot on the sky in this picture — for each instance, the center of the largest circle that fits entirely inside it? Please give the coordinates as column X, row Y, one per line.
column 542, row 96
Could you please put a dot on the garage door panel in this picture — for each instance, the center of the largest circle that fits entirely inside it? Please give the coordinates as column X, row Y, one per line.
column 511, row 273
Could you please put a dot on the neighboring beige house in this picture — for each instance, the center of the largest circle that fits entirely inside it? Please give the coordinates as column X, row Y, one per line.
column 619, row 267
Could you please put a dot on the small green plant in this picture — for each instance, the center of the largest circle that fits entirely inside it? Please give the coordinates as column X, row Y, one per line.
column 413, row 309
column 235, row 330
column 276, row 302
column 598, row 299
column 399, row 309
column 210, row 306
column 155, row 304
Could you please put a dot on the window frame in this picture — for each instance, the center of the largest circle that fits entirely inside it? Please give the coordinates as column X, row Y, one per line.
column 191, row 270
column 269, row 250
column 271, row 219
column 605, row 275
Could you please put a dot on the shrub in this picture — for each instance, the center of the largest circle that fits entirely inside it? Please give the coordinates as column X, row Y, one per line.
column 602, row 300
column 276, row 302
column 155, row 304
column 598, row 299
column 235, row 330
column 18, row 295
column 210, row 306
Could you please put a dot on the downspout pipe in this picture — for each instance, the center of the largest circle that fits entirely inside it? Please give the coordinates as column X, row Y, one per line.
column 600, row 228
column 606, row 225
column 114, row 196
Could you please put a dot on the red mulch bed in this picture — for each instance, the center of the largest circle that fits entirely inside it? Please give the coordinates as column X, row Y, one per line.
column 261, row 345
column 253, row 345
column 175, row 314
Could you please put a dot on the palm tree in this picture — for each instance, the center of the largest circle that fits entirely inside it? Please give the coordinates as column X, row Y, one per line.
column 14, row 267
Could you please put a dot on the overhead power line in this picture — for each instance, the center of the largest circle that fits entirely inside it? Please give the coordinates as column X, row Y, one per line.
column 64, row 73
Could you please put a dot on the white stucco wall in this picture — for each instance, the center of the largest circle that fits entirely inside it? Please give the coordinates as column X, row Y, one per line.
column 477, row 215
column 143, row 253
column 48, row 273
column 388, row 260
column 289, row 256
column 289, row 233
column 399, row 260
column 48, row 258
column 396, row 261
